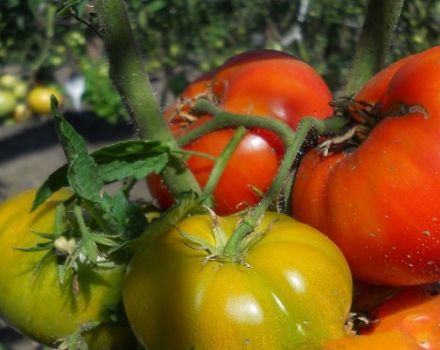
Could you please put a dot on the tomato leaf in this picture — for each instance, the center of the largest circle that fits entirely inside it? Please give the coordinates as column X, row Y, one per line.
column 82, row 173
column 127, row 159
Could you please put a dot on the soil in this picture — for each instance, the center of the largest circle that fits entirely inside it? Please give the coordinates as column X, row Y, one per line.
column 29, row 152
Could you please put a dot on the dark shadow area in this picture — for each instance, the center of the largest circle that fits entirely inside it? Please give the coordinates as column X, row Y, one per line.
column 37, row 135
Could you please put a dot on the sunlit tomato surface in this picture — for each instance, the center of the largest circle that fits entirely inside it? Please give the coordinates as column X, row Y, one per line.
column 380, row 201
column 263, row 83
column 293, row 290
column 39, row 99
column 410, row 320
column 33, row 301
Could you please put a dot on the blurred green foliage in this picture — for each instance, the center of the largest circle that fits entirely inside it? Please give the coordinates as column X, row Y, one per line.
column 182, row 38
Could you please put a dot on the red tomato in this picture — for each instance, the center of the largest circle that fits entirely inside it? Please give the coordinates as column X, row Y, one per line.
column 380, row 203
column 264, row 83
column 411, row 320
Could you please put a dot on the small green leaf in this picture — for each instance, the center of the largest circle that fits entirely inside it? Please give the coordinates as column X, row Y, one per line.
column 90, row 249
column 55, row 181
column 82, row 172
column 83, row 176
column 37, row 247
column 103, row 239
column 128, row 159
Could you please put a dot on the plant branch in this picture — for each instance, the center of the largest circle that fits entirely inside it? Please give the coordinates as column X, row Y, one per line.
column 222, row 161
column 292, row 146
column 132, row 83
column 380, row 21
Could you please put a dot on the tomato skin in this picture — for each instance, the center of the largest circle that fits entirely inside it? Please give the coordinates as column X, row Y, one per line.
column 39, row 99
column 296, row 293
column 265, row 83
column 410, row 320
column 35, row 302
column 379, row 203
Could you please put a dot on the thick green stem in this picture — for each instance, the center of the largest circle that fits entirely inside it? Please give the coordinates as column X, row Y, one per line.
column 223, row 120
column 380, row 21
column 130, row 79
column 292, row 146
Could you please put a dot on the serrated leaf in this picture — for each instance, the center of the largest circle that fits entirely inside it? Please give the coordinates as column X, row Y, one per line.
column 83, row 177
column 82, row 172
column 134, row 158
column 120, row 169
column 55, row 181
column 73, row 144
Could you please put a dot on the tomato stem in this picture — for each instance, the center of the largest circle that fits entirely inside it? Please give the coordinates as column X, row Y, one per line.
column 222, row 161
column 132, row 83
column 223, row 120
column 293, row 145
column 292, row 142
column 380, row 21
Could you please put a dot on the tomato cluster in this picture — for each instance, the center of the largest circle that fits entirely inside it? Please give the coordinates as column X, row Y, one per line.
column 372, row 193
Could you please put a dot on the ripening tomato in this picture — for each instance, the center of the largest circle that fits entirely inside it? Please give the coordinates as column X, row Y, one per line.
column 379, row 201
column 410, row 320
column 39, row 99
column 292, row 291
column 33, row 300
column 264, row 83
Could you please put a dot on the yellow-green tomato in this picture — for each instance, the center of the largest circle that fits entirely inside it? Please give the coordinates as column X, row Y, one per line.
column 9, row 81
column 291, row 291
column 7, row 103
column 33, row 301
column 39, row 99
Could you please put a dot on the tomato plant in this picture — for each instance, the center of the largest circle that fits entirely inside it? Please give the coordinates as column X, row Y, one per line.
column 410, row 320
column 32, row 298
column 291, row 289
column 38, row 99
column 378, row 200
column 264, row 83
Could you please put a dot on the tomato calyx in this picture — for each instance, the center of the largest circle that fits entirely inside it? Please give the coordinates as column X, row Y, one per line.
column 361, row 118
column 217, row 251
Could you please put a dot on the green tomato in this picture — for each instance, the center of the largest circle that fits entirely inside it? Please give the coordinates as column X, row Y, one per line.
column 292, row 291
column 20, row 90
column 8, row 81
column 7, row 103
column 33, row 300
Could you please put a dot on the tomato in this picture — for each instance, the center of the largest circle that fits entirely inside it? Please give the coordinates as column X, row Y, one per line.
column 22, row 113
column 9, row 81
column 411, row 320
column 264, row 83
column 33, row 301
column 7, row 103
column 379, row 201
column 39, row 99
column 293, row 290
